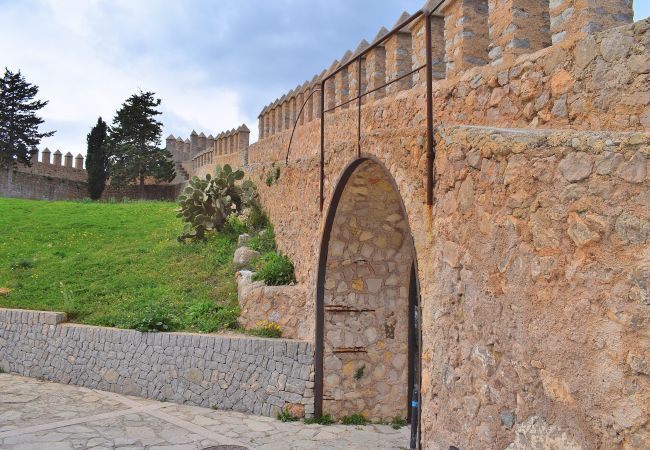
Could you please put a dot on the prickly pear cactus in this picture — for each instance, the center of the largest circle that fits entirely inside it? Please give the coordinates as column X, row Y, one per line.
column 206, row 203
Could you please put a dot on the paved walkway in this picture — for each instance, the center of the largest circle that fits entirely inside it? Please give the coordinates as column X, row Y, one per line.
column 40, row 415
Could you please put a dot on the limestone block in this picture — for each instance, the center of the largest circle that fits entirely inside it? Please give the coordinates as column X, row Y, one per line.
column 244, row 255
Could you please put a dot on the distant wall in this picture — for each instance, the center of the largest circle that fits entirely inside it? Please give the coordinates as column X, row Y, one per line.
column 239, row 373
column 26, row 182
column 41, row 187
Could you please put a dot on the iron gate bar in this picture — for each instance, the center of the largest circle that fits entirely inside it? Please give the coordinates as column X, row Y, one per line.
column 401, row 77
column 295, row 124
column 431, row 149
column 359, row 107
column 427, row 10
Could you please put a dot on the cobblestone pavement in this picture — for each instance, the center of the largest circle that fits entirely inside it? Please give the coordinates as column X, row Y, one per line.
column 41, row 415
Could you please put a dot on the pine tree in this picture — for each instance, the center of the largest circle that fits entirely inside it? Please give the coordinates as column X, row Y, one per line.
column 135, row 140
column 97, row 159
column 18, row 120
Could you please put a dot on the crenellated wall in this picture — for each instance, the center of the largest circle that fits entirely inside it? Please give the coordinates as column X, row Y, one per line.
column 199, row 155
column 470, row 34
column 533, row 258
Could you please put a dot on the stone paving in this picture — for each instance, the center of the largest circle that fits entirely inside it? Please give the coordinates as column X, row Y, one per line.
column 41, row 415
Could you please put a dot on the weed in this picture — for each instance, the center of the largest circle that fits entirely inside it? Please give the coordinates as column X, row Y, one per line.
column 274, row 269
column 285, row 416
column 267, row 329
column 359, row 373
column 264, row 241
column 325, row 419
column 273, row 176
column 354, row 419
column 398, row 422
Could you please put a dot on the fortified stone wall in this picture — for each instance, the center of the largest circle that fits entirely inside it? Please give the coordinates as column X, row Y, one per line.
column 41, row 187
column 532, row 261
column 199, row 155
column 247, row 374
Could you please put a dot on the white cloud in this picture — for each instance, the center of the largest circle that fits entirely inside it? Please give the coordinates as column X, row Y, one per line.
column 80, row 54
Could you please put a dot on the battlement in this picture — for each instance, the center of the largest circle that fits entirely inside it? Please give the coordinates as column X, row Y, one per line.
column 199, row 153
column 465, row 34
column 56, row 165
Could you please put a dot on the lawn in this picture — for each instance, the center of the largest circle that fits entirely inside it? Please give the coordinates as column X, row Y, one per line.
column 114, row 264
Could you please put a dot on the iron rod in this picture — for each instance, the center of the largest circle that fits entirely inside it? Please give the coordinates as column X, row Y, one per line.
column 359, row 108
column 430, row 144
column 377, row 88
column 322, row 145
column 295, row 124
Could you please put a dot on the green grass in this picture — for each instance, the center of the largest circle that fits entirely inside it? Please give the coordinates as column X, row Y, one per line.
column 113, row 263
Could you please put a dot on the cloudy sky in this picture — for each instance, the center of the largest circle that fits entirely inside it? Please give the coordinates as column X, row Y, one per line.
column 214, row 64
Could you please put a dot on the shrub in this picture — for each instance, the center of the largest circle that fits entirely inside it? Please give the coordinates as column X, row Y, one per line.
column 264, row 328
column 206, row 203
column 325, row 419
column 354, row 419
column 235, row 226
column 264, row 241
column 154, row 317
column 274, row 269
column 256, row 218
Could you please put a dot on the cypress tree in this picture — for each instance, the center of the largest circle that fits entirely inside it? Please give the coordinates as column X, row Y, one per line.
column 97, row 159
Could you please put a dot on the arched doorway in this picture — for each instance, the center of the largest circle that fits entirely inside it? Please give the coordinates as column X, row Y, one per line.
column 367, row 331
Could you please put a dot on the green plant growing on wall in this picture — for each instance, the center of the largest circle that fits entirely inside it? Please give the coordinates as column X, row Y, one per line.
column 206, row 203
column 273, row 176
column 359, row 373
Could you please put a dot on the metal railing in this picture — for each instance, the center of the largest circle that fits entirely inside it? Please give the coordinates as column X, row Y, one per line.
column 431, row 7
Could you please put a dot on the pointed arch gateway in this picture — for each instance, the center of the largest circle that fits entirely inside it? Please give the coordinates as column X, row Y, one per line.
column 367, row 328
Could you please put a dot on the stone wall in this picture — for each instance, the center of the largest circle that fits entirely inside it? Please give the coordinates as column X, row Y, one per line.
column 30, row 184
column 161, row 192
column 38, row 187
column 533, row 259
column 55, row 171
column 239, row 373
column 532, row 267
column 285, row 305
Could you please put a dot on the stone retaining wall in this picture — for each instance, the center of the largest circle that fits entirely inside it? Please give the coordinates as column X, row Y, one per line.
column 239, row 373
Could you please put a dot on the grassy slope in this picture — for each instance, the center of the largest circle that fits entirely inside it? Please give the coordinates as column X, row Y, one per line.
column 104, row 263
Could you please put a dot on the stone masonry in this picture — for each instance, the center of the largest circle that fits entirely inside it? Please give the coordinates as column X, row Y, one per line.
column 366, row 299
column 240, row 373
column 534, row 257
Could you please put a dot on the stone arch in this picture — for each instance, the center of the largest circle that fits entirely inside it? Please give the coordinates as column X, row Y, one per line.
column 367, row 336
